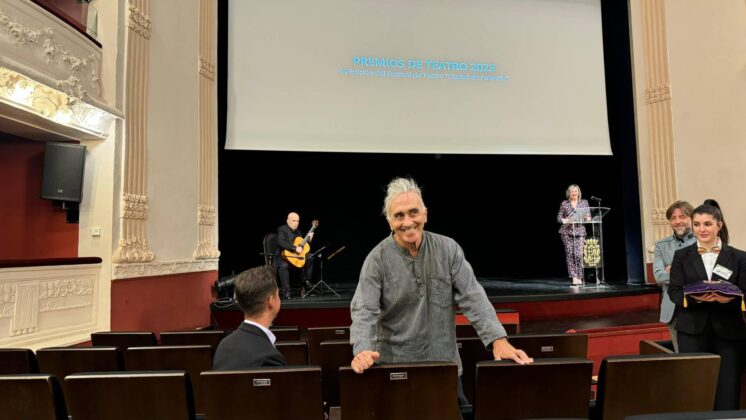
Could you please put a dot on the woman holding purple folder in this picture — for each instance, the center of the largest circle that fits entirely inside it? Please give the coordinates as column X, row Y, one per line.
column 712, row 321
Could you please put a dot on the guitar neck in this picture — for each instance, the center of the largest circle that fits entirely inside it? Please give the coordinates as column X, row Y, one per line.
column 305, row 240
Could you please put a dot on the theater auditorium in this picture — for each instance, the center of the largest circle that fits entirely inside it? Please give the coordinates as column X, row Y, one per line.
column 152, row 151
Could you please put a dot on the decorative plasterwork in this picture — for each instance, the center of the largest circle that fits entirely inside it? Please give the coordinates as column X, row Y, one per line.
column 139, row 22
column 659, row 217
column 38, row 300
column 658, row 93
column 206, row 244
column 66, row 294
column 206, row 215
column 58, row 107
column 206, row 68
column 131, row 270
column 38, row 40
column 134, row 206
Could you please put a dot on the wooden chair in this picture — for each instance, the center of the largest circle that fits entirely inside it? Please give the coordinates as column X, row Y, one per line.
column 295, row 352
column 472, row 351
column 398, row 392
column 655, row 383
column 264, row 393
column 130, row 395
column 17, row 361
column 655, row 347
column 333, row 355
column 192, row 359
column 63, row 361
column 552, row 345
column 291, row 333
column 555, row 387
column 123, row 339
column 193, row 338
column 317, row 335
column 31, row 397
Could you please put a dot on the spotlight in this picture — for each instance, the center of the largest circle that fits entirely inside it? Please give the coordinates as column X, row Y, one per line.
column 224, row 286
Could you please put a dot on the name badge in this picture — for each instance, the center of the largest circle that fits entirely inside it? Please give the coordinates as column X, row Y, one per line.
column 722, row 272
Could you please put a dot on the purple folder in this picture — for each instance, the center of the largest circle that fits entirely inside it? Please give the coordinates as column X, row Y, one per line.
column 713, row 286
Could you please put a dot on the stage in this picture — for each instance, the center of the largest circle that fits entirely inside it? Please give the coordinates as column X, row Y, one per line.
column 539, row 302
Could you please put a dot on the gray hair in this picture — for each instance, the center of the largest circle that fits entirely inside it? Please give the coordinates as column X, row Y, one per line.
column 567, row 191
column 399, row 186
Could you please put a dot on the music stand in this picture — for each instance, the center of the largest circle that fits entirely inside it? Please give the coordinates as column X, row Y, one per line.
column 321, row 284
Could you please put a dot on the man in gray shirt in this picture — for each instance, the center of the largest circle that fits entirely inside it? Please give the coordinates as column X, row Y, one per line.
column 679, row 215
column 403, row 309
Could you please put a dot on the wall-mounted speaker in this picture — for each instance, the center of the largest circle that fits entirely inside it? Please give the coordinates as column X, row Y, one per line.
column 62, row 178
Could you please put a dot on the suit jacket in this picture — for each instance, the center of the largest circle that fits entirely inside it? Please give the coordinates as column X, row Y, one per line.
column 664, row 250
column 726, row 318
column 246, row 348
column 286, row 236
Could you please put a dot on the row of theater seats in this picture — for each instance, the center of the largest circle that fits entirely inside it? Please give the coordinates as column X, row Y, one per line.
column 558, row 388
column 329, row 350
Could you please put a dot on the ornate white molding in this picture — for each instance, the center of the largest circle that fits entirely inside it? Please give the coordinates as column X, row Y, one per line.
column 162, row 268
column 206, row 215
column 658, row 94
column 36, row 300
column 139, row 22
column 659, row 217
column 71, row 60
column 7, row 300
column 206, row 68
column 134, row 206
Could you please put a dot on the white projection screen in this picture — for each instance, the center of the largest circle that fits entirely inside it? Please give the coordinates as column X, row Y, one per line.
column 417, row 76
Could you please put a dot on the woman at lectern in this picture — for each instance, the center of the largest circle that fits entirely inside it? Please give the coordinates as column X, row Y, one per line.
column 573, row 234
column 712, row 321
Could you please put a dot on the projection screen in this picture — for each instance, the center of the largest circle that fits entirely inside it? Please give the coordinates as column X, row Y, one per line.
column 417, row 76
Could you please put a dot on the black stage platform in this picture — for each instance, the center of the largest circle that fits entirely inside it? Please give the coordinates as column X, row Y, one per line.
column 498, row 291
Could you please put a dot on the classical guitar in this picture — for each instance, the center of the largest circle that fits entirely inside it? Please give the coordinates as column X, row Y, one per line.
column 299, row 260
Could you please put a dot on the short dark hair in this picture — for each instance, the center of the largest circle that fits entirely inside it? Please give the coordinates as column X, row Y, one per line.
column 253, row 287
column 684, row 206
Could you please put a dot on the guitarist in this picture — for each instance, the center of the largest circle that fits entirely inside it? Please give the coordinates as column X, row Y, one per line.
column 285, row 236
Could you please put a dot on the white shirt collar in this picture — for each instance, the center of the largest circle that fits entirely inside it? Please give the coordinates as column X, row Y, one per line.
column 266, row 330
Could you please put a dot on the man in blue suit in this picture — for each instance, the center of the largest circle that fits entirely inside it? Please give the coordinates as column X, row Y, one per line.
column 252, row 344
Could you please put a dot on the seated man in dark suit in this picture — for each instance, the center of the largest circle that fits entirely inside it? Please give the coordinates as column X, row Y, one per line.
column 252, row 344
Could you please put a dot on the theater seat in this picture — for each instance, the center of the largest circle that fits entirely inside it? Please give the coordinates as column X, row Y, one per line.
column 655, row 383
column 295, row 352
column 317, row 335
column 400, row 392
column 64, row 361
column 17, row 361
column 193, row 338
column 130, row 395
column 558, row 388
column 192, row 359
column 264, row 393
column 31, row 397
column 123, row 339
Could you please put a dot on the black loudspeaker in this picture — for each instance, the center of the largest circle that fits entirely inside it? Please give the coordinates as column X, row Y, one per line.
column 62, row 178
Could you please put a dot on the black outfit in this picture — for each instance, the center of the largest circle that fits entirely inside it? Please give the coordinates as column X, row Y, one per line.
column 246, row 348
column 712, row 327
column 285, row 238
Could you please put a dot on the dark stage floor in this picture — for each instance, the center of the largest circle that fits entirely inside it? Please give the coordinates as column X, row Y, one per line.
column 498, row 291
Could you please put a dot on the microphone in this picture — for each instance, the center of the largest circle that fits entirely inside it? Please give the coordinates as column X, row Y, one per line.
column 595, row 198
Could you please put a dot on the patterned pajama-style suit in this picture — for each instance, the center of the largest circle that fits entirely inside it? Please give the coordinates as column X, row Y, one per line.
column 573, row 236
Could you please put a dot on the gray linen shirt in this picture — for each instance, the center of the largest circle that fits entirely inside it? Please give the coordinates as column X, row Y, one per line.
column 664, row 250
column 403, row 305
